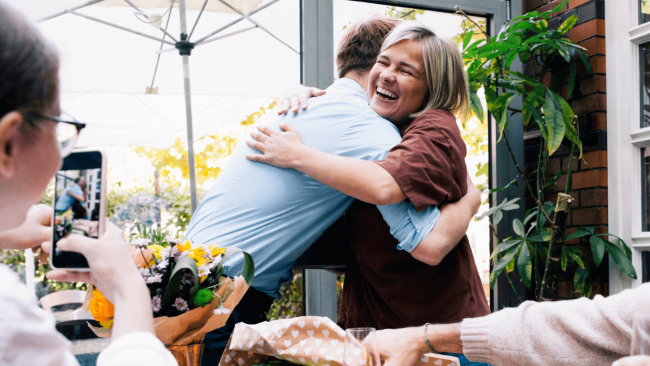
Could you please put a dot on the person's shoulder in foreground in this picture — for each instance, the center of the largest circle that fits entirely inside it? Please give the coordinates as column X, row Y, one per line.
column 28, row 335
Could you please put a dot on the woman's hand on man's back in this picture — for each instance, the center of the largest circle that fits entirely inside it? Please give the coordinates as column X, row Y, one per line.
column 296, row 98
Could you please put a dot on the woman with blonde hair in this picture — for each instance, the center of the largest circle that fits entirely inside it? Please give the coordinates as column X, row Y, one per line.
column 419, row 84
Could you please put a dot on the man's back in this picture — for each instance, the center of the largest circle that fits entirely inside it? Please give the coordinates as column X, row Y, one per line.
column 276, row 214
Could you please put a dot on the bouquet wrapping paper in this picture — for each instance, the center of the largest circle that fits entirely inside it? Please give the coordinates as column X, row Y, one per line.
column 191, row 327
column 310, row 340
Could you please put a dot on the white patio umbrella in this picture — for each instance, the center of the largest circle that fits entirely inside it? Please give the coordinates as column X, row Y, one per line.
column 123, row 77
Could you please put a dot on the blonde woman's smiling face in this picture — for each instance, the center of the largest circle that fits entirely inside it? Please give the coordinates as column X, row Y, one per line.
column 397, row 84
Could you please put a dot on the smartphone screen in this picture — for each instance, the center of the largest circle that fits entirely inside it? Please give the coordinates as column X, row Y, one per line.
column 78, row 204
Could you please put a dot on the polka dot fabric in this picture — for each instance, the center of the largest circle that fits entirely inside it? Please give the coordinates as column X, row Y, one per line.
column 314, row 341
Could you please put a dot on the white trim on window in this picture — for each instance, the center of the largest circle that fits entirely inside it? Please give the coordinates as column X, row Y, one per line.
column 625, row 137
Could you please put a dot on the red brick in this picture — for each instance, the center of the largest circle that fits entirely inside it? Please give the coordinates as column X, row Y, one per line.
column 553, row 166
column 598, row 66
column 594, row 46
column 569, row 231
column 592, row 84
column 574, row 166
column 589, row 216
column 576, row 3
column 588, row 179
column 588, row 104
column 598, row 121
column 565, row 290
column 594, row 27
column 594, row 159
column 533, row 4
column 593, row 197
column 559, row 186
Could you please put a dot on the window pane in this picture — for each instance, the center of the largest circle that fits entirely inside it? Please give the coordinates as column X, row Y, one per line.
column 645, row 276
column 645, row 187
column 644, row 53
column 644, row 11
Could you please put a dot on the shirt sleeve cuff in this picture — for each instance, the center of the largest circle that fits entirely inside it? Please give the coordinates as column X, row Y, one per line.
column 138, row 348
column 474, row 336
column 414, row 227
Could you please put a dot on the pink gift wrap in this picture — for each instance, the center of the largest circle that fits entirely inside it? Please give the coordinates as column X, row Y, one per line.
column 309, row 340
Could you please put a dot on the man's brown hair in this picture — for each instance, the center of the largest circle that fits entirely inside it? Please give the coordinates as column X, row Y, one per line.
column 361, row 44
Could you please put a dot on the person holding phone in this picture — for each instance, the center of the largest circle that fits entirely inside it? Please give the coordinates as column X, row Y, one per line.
column 30, row 154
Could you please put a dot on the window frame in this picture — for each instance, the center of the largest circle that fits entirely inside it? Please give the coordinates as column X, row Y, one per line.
column 625, row 137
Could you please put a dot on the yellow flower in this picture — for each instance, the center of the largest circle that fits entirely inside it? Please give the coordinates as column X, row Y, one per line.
column 215, row 250
column 185, row 246
column 157, row 249
column 107, row 324
column 101, row 309
column 199, row 256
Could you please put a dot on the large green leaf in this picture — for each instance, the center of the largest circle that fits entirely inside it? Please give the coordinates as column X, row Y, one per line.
column 580, row 278
column 173, row 289
column 621, row 260
column 598, row 249
column 525, row 266
column 576, row 254
column 543, row 235
column 568, row 24
column 583, row 231
column 503, row 121
column 563, row 259
column 554, row 123
column 518, row 228
column 570, row 130
column 512, row 183
column 496, row 211
column 503, row 262
column 585, row 61
column 475, row 101
column 573, row 72
column 249, row 265
column 468, row 39
column 492, row 50
column 505, row 245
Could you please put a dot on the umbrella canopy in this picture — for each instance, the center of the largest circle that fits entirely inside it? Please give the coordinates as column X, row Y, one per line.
column 105, row 71
column 122, row 74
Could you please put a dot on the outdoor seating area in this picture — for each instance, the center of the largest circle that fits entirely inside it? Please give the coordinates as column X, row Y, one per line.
column 324, row 182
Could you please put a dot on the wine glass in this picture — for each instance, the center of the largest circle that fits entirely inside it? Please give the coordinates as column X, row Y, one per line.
column 641, row 334
column 361, row 347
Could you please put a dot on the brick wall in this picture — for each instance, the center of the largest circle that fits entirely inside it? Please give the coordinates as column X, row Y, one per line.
column 589, row 102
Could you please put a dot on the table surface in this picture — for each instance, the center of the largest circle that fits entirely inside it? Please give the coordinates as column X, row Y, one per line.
column 87, row 350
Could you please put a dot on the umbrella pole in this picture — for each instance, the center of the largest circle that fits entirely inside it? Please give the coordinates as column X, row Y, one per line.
column 188, row 109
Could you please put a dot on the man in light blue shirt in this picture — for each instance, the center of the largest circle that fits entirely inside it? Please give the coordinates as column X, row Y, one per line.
column 276, row 214
column 70, row 194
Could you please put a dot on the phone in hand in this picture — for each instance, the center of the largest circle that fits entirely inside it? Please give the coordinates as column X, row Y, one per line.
column 79, row 204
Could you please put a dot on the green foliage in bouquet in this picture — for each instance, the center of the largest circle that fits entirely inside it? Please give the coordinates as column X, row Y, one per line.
column 540, row 237
column 181, row 277
column 203, row 297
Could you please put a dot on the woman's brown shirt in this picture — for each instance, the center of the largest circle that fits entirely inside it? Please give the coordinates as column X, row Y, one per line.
column 386, row 287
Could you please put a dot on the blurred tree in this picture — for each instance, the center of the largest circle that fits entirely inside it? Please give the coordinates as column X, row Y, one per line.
column 173, row 165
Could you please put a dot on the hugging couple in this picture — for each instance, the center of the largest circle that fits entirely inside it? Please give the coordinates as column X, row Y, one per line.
column 380, row 150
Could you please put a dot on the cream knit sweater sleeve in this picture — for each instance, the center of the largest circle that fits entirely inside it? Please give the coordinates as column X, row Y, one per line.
column 572, row 332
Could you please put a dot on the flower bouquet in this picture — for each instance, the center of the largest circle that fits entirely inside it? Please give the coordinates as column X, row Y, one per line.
column 189, row 294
